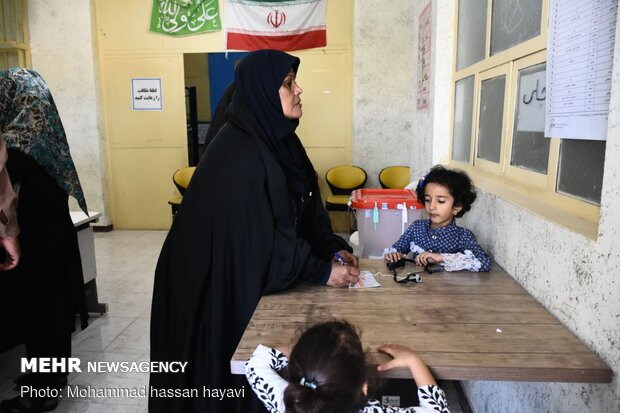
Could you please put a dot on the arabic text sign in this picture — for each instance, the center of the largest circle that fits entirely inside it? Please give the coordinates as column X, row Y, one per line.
column 531, row 102
column 146, row 94
column 185, row 17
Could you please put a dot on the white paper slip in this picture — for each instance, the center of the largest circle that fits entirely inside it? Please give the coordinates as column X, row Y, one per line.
column 366, row 280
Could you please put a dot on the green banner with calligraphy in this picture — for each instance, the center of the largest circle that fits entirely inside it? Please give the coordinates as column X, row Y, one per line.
column 185, row 17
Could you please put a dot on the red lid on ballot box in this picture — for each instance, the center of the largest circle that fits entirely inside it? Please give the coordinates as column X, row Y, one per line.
column 365, row 198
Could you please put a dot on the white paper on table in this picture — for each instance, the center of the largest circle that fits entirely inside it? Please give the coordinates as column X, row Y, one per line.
column 366, row 280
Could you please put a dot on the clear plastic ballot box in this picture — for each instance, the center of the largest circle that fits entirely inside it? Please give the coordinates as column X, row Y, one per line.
column 382, row 216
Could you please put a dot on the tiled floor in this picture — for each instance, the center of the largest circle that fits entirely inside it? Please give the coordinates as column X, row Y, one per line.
column 125, row 265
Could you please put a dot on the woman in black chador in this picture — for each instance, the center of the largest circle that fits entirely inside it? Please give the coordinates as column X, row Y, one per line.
column 252, row 223
column 41, row 296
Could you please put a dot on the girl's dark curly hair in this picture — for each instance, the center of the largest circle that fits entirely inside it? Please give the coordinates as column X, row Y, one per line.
column 330, row 360
column 459, row 185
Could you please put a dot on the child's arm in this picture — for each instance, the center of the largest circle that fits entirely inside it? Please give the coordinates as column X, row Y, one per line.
column 472, row 257
column 261, row 369
column 405, row 357
column 393, row 256
column 471, row 244
column 432, row 398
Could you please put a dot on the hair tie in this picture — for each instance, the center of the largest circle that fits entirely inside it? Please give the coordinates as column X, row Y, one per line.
column 421, row 181
column 308, row 383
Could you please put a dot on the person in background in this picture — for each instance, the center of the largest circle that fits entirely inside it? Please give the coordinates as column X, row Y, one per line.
column 252, row 222
column 220, row 117
column 447, row 194
column 327, row 372
column 40, row 297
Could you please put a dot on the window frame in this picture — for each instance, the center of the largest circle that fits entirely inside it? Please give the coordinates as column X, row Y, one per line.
column 529, row 189
column 484, row 164
column 525, row 176
column 22, row 48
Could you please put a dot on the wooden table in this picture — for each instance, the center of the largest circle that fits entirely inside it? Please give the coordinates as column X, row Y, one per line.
column 466, row 326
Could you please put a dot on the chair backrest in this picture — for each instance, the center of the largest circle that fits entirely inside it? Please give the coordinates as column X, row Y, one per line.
column 345, row 178
column 394, row 177
column 181, row 178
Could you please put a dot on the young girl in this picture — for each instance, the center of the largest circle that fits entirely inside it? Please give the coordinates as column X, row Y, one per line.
column 327, row 372
column 447, row 194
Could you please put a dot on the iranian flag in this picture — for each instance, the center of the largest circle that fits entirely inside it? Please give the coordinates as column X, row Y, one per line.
column 276, row 24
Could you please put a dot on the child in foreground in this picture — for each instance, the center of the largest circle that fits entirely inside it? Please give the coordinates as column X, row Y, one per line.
column 447, row 194
column 327, row 373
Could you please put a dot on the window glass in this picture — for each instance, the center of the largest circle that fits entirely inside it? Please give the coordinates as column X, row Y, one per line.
column 530, row 148
column 463, row 107
column 13, row 58
column 471, row 36
column 580, row 172
column 20, row 20
column 491, row 118
column 514, row 22
column 12, row 29
column 9, row 20
column 8, row 59
column 1, row 23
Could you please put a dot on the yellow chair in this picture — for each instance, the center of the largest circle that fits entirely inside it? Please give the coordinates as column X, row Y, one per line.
column 181, row 178
column 342, row 180
column 394, row 177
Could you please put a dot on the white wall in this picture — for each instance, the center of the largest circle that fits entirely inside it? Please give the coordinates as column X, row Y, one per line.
column 383, row 85
column 431, row 140
column 63, row 53
column 575, row 278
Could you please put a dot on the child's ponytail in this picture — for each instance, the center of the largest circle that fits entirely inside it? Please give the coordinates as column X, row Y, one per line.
column 303, row 398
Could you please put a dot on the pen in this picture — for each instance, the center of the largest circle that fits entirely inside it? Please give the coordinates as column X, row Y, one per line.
column 340, row 259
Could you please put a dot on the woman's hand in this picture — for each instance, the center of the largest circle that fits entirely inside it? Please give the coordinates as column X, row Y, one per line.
column 427, row 257
column 405, row 357
column 349, row 258
column 12, row 253
column 393, row 256
column 343, row 275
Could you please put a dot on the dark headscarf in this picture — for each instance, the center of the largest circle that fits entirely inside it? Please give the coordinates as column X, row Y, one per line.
column 30, row 123
column 258, row 78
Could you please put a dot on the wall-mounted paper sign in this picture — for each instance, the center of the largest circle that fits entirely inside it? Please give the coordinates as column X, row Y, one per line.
column 531, row 100
column 146, row 94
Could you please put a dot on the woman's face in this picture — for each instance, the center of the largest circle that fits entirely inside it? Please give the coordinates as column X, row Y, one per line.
column 289, row 97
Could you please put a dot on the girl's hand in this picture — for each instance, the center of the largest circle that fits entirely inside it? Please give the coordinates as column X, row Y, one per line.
column 402, row 356
column 428, row 257
column 405, row 357
column 393, row 256
column 286, row 349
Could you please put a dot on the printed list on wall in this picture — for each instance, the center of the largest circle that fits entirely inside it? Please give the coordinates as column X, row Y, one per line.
column 424, row 57
column 580, row 53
